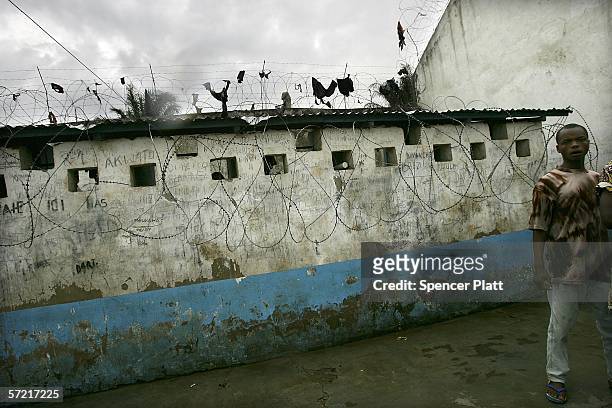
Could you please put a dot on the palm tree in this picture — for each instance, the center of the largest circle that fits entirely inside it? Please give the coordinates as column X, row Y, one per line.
column 151, row 105
column 402, row 94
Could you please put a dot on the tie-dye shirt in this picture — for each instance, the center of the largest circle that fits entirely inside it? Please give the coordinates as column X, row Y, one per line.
column 565, row 208
column 605, row 179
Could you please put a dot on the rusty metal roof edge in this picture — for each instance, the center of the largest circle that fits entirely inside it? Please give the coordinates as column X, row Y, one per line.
column 269, row 119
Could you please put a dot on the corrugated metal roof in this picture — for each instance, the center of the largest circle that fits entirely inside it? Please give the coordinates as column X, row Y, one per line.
column 241, row 121
column 306, row 112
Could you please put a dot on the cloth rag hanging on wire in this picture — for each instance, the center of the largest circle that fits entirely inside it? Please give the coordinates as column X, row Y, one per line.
column 320, row 92
column 95, row 92
column 345, row 85
column 220, row 96
column 57, row 88
column 400, row 34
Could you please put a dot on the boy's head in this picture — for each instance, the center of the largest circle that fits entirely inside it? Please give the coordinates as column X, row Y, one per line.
column 572, row 142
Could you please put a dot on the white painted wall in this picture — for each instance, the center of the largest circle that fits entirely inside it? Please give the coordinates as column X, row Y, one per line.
column 118, row 239
column 525, row 53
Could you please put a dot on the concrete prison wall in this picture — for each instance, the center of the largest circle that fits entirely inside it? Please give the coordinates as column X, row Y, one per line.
column 127, row 260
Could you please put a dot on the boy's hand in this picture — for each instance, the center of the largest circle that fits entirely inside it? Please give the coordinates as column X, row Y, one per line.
column 542, row 280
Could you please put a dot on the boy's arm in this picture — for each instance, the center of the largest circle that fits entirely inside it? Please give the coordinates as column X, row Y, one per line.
column 542, row 277
column 540, row 221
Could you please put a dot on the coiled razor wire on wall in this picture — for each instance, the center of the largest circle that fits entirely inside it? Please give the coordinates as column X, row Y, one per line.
column 83, row 100
column 28, row 107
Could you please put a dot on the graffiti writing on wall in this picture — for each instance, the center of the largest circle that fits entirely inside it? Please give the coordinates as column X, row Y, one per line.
column 136, row 240
column 85, row 266
column 121, row 160
column 55, row 205
column 14, row 208
column 74, row 156
column 94, row 203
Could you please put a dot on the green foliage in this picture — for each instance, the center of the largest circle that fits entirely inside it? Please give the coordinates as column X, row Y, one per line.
column 151, row 105
column 400, row 94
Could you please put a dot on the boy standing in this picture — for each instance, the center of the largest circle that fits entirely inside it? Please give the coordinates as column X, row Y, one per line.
column 566, row 228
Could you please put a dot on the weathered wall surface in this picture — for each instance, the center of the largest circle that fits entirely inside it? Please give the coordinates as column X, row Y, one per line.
column 117, row 239
column 96, row 344
column 206, row 273
column 524, row 53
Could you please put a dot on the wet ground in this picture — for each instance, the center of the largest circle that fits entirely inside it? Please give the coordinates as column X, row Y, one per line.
column 489, row 359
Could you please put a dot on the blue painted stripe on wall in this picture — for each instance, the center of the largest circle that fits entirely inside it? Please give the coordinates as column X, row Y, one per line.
column 293, row 289
column 245, row 299
column 222, row 299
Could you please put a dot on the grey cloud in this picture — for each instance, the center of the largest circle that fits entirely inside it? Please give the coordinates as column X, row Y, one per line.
column 360, row 32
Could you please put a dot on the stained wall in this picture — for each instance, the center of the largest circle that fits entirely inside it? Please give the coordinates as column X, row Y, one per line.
column 195, row 273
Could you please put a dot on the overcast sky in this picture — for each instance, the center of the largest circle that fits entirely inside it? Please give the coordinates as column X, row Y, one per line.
column 191, row 42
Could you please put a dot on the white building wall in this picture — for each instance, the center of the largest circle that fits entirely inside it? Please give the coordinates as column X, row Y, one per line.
column 59, row 246
column 525, row 53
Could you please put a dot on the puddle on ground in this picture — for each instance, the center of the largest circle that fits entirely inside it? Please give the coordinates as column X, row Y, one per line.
column 498, row 337
column 322, row 375
column 446, row 347
column 486, row 349
column 521, row 341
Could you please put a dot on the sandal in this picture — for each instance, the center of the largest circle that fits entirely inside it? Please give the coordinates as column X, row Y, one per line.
column 557, row 398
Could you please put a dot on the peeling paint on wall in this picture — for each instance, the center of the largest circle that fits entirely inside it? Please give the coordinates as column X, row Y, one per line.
column 60, row 294
column 225, row 268
column 93, row 345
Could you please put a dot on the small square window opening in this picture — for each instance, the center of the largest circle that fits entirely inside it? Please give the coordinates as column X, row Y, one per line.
column 412, row 135
column 82, row 179
column 3, row 191
column 522, row 148
column 186, row 147
column 308, row 140
column 142, row 175
column 342, row 160
column 275, row 164
column 36, row 157
column 498, row 130
column 385, row 156
column 478, row 151
column 224, row 168
column 442, row 152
